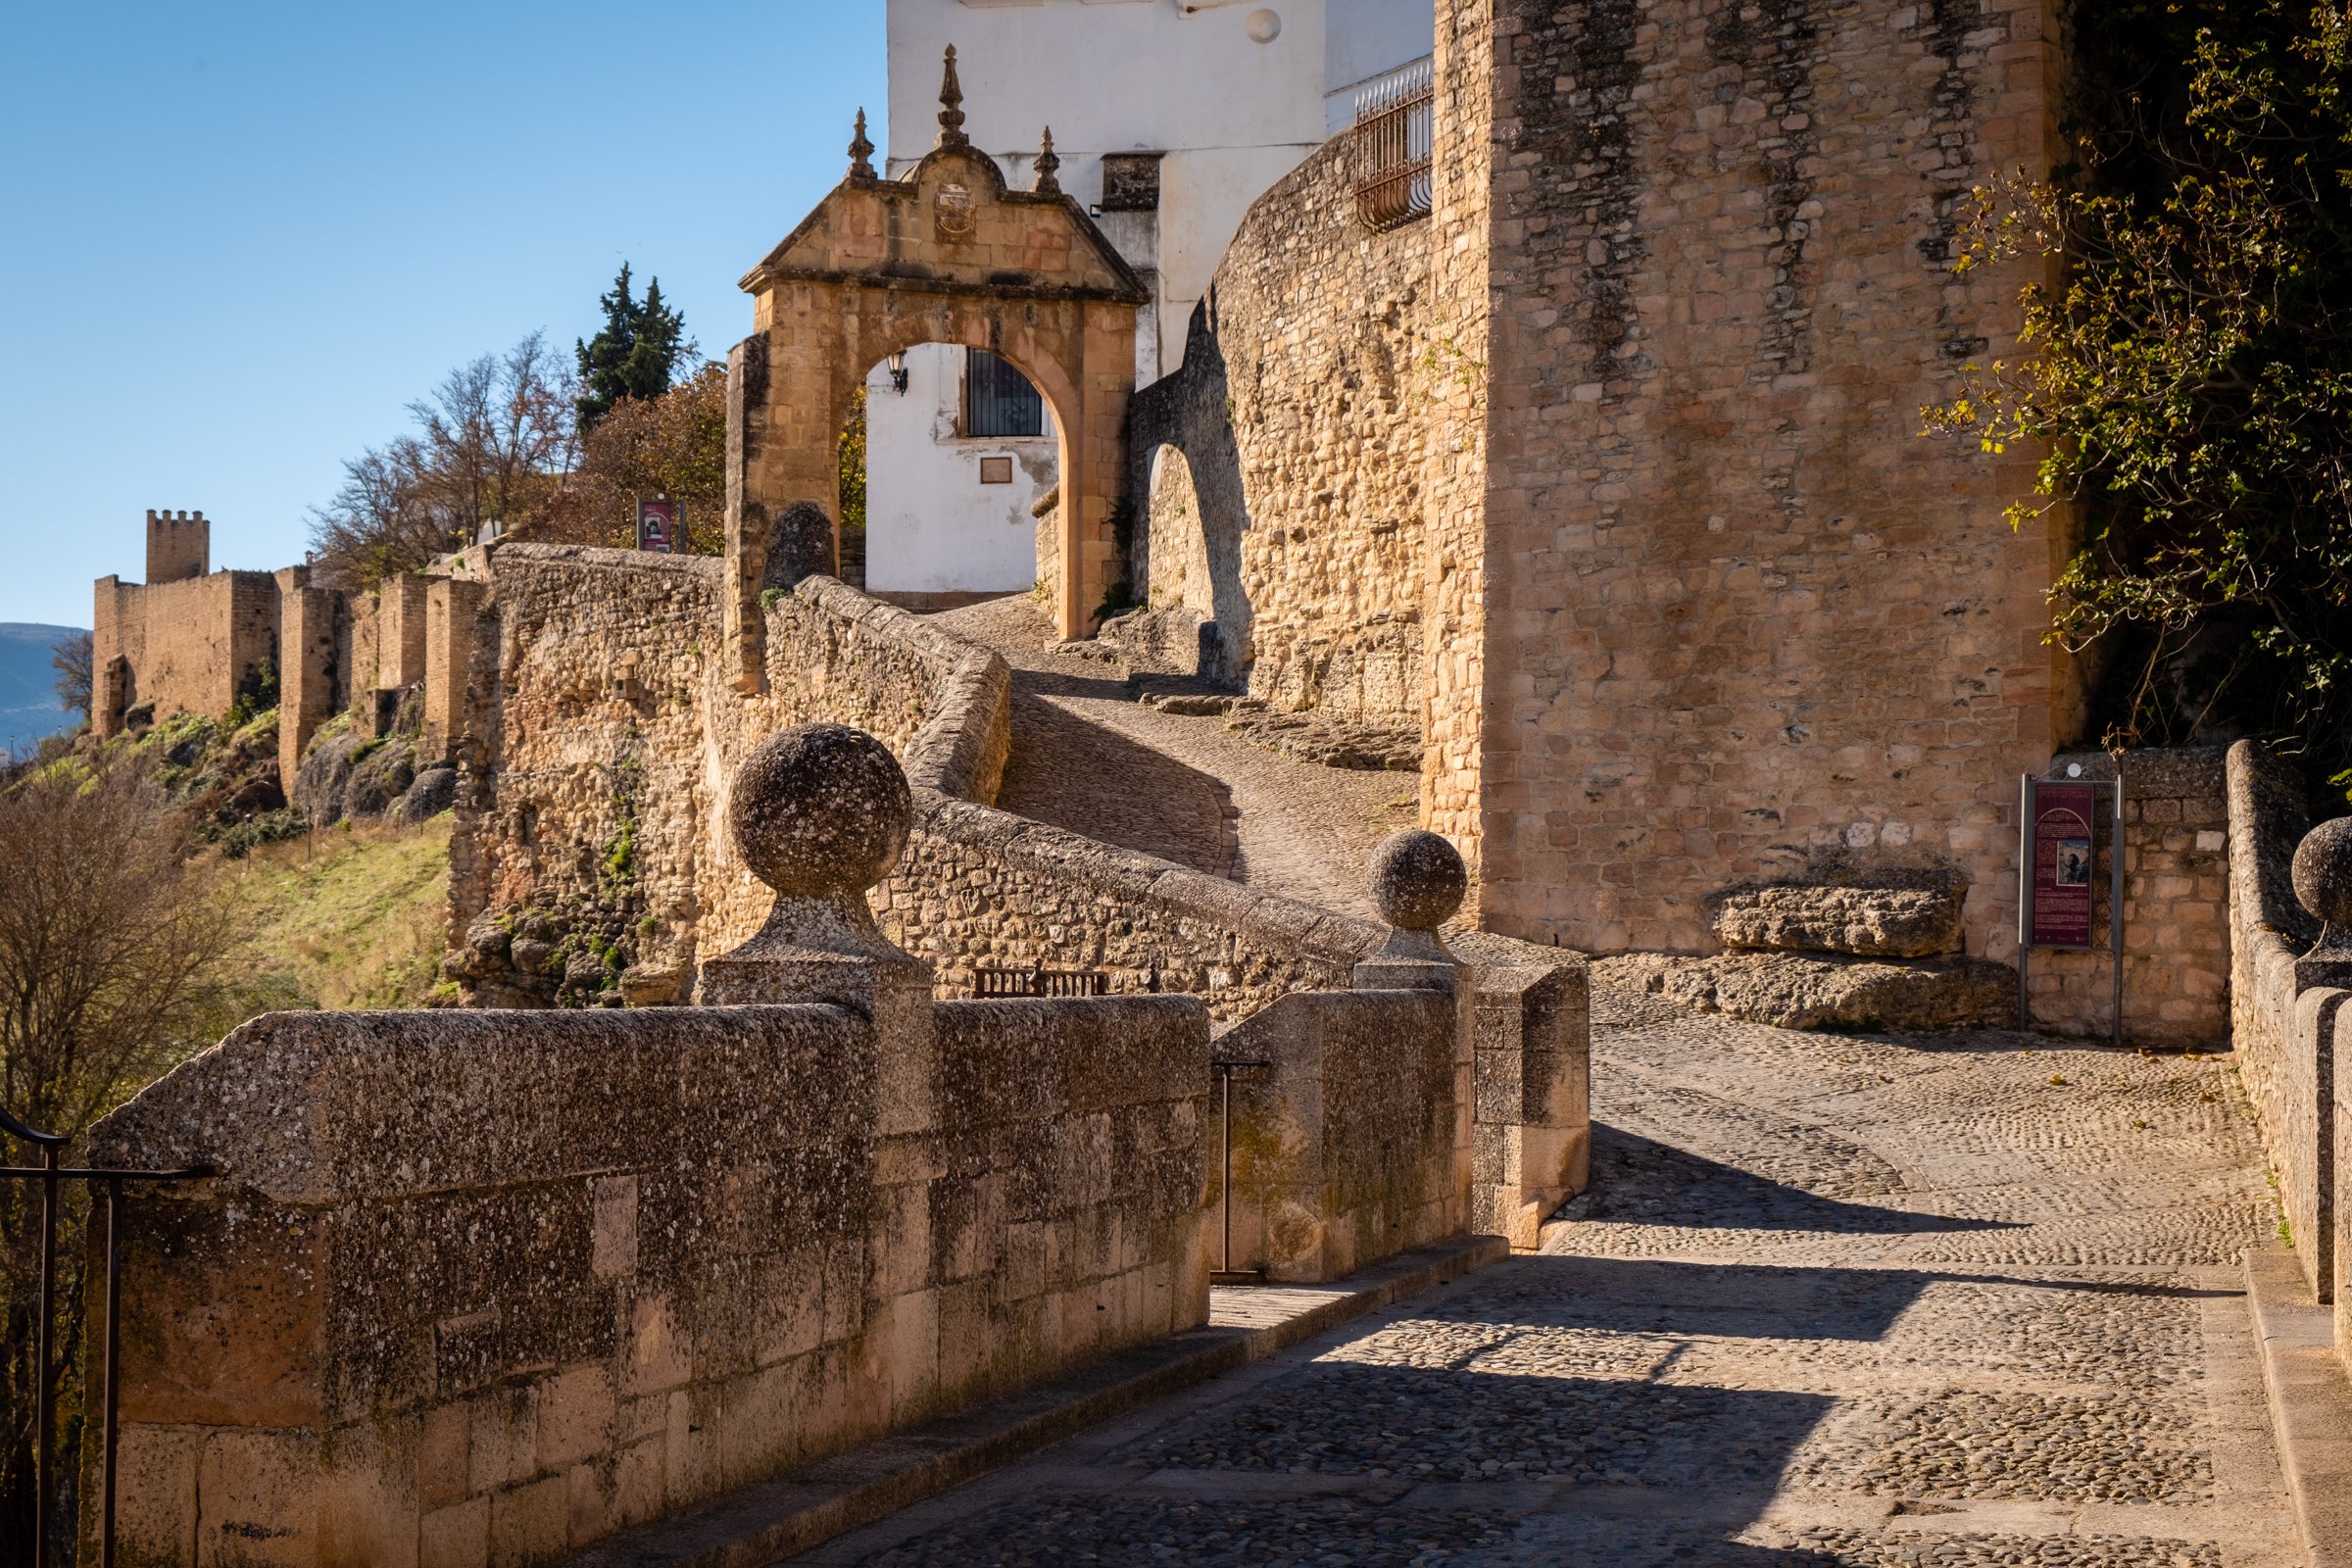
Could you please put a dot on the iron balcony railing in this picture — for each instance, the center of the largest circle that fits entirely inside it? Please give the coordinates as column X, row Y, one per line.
column 1394, row 136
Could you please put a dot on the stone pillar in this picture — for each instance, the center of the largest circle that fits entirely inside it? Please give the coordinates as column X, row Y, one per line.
column 1418, row 881
column 306, row 666
column 1093, row 414
column 2323, row 878
column 1531, row 1119
column 400, row 648
column 2322, row 874
column 451, row 605
column 820, row 814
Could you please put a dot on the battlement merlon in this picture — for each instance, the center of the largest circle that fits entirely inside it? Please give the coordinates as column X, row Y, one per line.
column 179, row 545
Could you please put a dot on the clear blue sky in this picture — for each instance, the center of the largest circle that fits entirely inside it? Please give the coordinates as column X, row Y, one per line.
column 240, row 237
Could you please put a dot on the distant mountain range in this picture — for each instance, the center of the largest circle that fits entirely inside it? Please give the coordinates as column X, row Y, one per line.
column 28, row 706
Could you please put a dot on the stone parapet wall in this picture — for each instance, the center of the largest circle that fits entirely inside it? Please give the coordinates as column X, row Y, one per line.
column 475, row 1288
column 559, row 748
column 983, row 887
column 2283, row 1030
column 2176, row 941
column 1344, row 1146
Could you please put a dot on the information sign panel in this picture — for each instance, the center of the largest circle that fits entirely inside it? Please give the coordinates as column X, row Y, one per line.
column 661, row 527
column 2062, row 861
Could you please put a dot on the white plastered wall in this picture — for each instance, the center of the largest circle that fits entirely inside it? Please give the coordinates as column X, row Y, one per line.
column 1229, row 112
column 931, row 527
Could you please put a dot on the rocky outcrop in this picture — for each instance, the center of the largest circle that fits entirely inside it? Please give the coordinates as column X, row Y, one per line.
column 1862, row 922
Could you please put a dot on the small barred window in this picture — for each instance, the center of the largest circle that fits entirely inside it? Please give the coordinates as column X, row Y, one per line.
column 1393, row 135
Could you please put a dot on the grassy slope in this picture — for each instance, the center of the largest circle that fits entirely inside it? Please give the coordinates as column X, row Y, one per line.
column 347, row 917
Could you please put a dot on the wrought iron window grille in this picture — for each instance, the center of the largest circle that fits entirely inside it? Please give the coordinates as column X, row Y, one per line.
column 1394, row 128
column 998, row 399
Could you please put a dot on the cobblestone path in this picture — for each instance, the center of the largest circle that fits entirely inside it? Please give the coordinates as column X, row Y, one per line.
column 1961, row 1300
column 1087, row 757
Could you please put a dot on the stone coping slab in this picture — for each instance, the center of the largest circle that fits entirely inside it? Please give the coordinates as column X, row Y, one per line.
column 766, row 1523
column 2311, row 1402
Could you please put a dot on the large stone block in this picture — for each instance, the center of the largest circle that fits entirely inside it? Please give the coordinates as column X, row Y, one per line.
column 1866, row 922
column 1801, row 990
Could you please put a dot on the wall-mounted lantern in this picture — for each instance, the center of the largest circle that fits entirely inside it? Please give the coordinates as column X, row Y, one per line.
column 897, row 364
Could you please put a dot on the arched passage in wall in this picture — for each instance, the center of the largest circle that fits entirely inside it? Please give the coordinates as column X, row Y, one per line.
column 960, row 445
column 1181, row 458
column 947, row 255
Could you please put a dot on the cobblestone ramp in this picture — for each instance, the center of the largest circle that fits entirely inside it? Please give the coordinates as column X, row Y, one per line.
column 1957, row 1299
column 1088, row 758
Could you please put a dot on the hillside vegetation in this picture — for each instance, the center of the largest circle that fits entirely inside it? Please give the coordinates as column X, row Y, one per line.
column 351, row 916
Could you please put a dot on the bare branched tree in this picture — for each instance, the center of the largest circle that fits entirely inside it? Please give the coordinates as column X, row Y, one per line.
column 109, row 938
column 491, row 443
column 75, row 659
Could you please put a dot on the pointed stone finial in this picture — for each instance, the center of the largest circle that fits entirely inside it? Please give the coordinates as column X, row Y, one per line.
column 951, row 107
column 1047, row 165
column 861, row 152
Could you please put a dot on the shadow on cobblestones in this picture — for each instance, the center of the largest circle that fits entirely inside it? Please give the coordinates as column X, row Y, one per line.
column 1093, row 780
column 1637, row 1180
column 1618, row 1297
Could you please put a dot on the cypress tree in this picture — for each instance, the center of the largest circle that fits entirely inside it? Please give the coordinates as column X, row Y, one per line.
column 633, row 354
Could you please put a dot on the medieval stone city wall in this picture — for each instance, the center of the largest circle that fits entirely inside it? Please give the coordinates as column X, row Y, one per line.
column 604, row 735
column 1323, row 326
column 601, row 731
column 1453, row 617
column 186, row 647
column 1742, row 623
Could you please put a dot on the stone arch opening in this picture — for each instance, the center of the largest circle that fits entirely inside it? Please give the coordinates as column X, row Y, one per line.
column 1176, row 550
column 947, row 254
column 956, row 461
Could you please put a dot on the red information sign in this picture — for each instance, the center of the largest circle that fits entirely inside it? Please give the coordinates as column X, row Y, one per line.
column 661, row 527
column 2062, row 861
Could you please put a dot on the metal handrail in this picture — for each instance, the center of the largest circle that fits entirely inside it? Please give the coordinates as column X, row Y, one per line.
column 1039, row 981
column 49, row 1173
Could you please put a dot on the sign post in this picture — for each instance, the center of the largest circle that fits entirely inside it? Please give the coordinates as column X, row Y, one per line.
column 662, row 525
column 2056, row 854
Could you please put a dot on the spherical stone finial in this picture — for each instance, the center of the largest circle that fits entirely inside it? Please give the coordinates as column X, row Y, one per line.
column 820, row 809
column 2322, row 876
column 1418, row 880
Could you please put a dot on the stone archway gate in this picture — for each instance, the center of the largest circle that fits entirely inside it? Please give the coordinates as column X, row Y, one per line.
column 947, row 255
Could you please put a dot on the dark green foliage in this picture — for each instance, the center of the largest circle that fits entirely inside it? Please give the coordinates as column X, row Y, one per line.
column 256, row 693
column 2190, row 377
column 1119, row 596
column 238, row 839
column 633, row 355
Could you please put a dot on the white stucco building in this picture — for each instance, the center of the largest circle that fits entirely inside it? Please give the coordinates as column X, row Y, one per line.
column 1170, row 118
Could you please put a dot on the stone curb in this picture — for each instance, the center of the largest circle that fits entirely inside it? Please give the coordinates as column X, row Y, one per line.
column 766, row 1523
column 2311, row 1402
